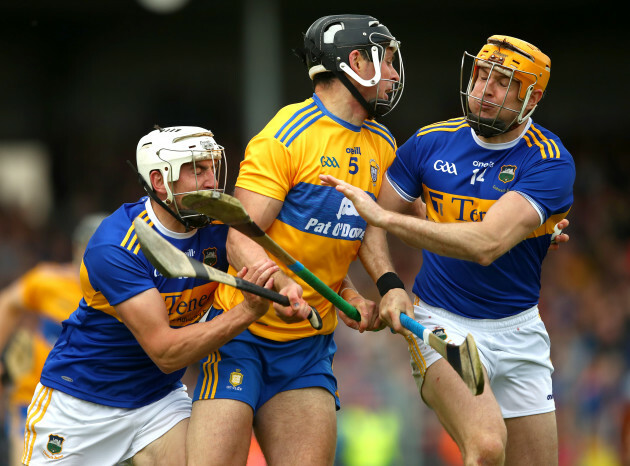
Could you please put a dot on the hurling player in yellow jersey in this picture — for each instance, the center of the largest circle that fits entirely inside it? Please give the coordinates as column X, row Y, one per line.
column 277, row 376
column 31, row 311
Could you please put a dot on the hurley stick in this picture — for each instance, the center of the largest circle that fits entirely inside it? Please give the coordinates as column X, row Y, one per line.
column 172, row 263
column 230, row 211
column 463, row 358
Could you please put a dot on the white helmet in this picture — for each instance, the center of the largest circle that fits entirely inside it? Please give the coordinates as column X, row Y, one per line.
column 166, row 150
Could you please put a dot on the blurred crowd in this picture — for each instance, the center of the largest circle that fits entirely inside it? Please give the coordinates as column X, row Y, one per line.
column 585, row 304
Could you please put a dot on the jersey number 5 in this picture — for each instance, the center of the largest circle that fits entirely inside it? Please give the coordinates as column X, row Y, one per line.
column 354, row 166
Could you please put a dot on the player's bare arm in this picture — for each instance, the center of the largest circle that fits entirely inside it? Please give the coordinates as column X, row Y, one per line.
column 243, row 251
column 506, row 223
column 172, row 349
column 374, row 254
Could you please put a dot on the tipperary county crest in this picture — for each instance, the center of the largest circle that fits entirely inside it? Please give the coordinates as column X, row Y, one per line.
column 210, row 256
column 236, row 378
column 507, row 173
column 374, row 169
column 55, row 444
column 440, row 333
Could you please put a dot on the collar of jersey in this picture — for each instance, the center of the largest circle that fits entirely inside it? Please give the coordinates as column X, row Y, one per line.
column 161, row 228
column 502, row 145
column 343, row 123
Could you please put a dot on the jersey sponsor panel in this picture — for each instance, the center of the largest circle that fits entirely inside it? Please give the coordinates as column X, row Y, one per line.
column 443, row 207
column 303, row 211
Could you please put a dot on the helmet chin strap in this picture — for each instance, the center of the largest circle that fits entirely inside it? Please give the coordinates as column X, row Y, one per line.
column 192, row 219
column 488, row 127
column 372, row 106
column 370, row 109
column 190, row 223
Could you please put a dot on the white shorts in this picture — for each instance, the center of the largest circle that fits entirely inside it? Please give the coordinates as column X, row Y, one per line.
column 515, row 352
column 62, row 429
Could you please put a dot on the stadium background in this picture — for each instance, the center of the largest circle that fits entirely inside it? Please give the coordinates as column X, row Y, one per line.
column 82, row 80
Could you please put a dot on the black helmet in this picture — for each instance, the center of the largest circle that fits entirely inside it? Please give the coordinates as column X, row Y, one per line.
column 327, row 46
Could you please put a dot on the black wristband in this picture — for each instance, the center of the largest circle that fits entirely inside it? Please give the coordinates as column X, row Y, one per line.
column 389, row 281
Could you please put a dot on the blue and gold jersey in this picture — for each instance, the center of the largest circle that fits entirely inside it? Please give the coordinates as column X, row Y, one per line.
column 317, row 225
column 460, row 178
column 96, row 357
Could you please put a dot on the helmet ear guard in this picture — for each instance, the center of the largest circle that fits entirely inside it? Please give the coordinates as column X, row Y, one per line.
column 521, row 62
column 166, row 150
column 328, row 43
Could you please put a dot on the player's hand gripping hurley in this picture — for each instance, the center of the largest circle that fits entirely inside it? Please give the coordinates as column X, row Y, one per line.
column 463, row 358
column 173, row 263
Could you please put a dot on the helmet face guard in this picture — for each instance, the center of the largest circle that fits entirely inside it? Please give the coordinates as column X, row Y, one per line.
column 522, row 63
column 327, row 47
column 166, row 150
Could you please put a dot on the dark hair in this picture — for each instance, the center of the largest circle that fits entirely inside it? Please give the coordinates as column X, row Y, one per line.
column 323, row 79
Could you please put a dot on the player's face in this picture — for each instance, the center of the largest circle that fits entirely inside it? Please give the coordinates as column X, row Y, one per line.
column 388, row 73
column 193, row 177
column 388, row 76
column 491, row 91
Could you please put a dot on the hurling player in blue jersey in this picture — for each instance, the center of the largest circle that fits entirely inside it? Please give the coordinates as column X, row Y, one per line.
column 277, row 376
column 110, row 389
column 495, row 185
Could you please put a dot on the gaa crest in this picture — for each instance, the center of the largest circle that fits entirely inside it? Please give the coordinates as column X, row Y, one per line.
column 507, row 173
column 236, row 378
column 374, row 169
column 55, row 444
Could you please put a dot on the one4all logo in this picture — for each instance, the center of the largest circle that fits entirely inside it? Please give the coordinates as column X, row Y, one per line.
column 54, row 446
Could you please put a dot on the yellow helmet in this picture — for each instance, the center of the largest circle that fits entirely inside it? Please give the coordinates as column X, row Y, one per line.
column 532, row 67
column 515, row 58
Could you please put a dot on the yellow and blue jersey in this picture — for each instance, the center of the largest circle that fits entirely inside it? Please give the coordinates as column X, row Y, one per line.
column 460, row 177
column 96, row 357
column 317, row 225
column 51, row 291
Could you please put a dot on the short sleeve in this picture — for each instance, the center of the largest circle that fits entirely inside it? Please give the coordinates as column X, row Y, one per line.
column 116, row 272
column 266, row 168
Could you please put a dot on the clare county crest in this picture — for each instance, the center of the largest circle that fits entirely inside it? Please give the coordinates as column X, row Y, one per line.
column 507, row 173
column 236, row 378
column 55, row 444
column 374, row 169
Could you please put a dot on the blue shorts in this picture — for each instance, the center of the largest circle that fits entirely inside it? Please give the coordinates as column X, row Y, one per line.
column 252, row 369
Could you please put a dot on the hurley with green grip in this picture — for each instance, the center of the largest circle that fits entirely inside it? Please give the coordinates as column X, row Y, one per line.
column 463, row 358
